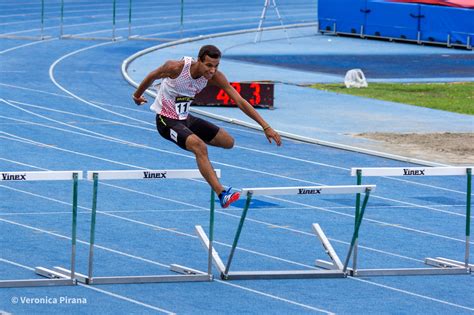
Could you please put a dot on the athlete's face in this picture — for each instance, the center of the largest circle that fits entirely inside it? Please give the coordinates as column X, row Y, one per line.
column 209, row 66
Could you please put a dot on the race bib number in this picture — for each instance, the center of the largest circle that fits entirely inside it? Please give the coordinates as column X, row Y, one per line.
column 182, row 105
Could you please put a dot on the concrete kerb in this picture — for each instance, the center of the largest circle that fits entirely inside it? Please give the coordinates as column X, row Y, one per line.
column 285, row 134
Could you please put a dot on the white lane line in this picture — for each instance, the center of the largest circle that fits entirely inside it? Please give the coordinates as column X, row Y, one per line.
column 34, row 90
column 23, row 164
column 26, row 45
column 112, row 122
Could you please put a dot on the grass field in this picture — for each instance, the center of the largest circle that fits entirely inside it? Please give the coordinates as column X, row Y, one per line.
column 454, row 97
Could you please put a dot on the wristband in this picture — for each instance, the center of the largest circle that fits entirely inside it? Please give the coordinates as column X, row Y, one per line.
column 265, row 128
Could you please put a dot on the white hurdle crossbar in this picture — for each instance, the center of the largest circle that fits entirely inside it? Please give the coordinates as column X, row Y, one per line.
column 441, row 265
column 55, row 279
column 188, row 274
column 337, row 272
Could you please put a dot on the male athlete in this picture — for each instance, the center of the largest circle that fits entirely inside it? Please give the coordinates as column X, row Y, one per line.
column 182, row 80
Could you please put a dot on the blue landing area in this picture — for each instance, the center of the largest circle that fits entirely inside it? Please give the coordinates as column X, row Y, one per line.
column 374, row 66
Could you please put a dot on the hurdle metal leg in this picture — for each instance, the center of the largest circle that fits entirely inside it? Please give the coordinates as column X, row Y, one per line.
column 237, row 234
column 356, row 229
column 356, row 247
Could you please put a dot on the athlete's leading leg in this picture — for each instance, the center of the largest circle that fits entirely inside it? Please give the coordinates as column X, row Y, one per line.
column 199, row 148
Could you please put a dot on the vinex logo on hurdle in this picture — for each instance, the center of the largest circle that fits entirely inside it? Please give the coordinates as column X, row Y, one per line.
column 407, row 171
column 7, row 176
column 303, row 191
column 147, row 175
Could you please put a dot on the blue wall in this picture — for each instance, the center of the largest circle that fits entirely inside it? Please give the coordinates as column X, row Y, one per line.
column 403, row 21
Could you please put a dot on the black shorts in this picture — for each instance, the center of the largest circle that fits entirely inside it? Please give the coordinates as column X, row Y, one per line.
column 179, row 130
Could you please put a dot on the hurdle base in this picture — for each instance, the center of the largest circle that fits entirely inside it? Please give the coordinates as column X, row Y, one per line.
column 55, row 279
column 265, row 275
column 408, row 272
column 189, row 271
column 326, row 265
column 90, row 38
column 152, row 39
column 36, row 283
column 453, row 270
column 25, row 37
column 148, row 279
column 191, row 275
column 282, row 274
column 441, row 262
column 336, row 263
column 65, row 273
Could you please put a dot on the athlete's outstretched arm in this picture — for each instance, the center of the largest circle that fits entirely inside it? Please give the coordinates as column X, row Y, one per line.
column 169, row 69
column 221, row 81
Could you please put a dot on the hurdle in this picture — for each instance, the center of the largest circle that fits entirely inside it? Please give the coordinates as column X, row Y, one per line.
column 20, row 37
column 138, row 37
column 338, row 272
column 72, row 36
column 441, row 266
column 56, row 279
column 190, row 275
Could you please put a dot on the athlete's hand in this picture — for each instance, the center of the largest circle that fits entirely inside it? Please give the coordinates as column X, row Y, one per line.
column 139, row 100
column 272, row 134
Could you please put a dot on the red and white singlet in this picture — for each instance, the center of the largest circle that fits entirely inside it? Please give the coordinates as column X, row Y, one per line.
column 174, row 96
